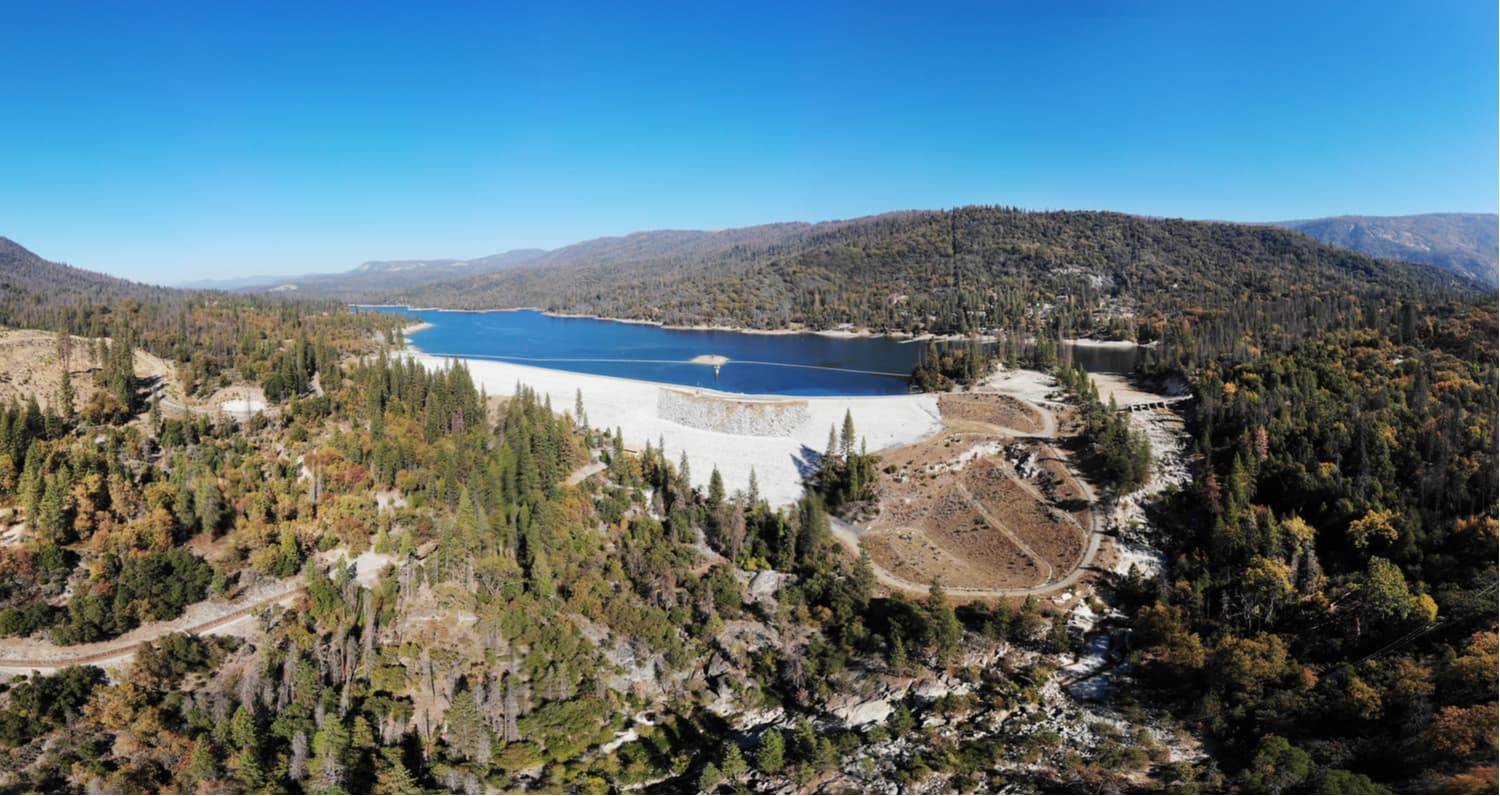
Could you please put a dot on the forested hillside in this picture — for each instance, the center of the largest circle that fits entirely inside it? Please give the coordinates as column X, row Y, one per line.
column 970, row 269
column 214, row 336
column 1329, row 613
column 1464, row 243
column 462, row 600
column 516, row 631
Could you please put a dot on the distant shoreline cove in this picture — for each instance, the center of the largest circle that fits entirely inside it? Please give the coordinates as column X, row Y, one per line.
column 907, row 337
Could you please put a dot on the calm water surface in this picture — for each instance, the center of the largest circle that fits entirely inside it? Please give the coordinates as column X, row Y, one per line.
column 1105, row 359
column 783, row 364
column 780, row 364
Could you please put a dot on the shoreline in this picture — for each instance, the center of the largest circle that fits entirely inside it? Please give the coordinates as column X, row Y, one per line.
column 841, row 333
column 848, row 333
column 779, row 461
column 1094, row 342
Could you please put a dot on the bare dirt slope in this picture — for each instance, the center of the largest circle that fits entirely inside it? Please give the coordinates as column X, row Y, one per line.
column 30, row 366
column 988, row 506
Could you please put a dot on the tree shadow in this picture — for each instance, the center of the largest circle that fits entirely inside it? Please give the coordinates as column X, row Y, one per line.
column 808, row 462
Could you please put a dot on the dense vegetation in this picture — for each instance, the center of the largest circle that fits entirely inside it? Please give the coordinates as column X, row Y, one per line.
column 969, row 269
column 941, row 368
column 1326, row 621
column 347, row 692
column 1124, row 451
column 215, row 337
column 1329, row 616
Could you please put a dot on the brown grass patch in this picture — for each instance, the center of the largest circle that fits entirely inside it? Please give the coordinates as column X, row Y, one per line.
column 991, row 408
column 1043, row 528
column 935, row 495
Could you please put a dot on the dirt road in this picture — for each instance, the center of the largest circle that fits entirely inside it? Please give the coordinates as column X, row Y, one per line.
column 21, row 656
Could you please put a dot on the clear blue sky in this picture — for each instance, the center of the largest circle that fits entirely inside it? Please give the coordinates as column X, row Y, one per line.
column 167, row 141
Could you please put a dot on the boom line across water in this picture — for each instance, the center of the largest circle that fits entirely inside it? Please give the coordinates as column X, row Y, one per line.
column 509, row 357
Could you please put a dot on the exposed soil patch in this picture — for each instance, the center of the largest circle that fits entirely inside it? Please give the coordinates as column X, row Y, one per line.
column 30, row 366
column 991, row 408
column 1046, row 529
column 982, row 506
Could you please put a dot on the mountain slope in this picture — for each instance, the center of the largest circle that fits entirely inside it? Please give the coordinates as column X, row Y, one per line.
column 33, row 288
column 237, row 282
column 393, row 274
column 941, row 271
column 1465, row 243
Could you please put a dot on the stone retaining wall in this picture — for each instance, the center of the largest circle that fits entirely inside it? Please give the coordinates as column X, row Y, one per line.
column 717, row 413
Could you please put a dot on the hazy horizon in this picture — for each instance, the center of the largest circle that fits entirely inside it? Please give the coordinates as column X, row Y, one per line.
column 253, row 277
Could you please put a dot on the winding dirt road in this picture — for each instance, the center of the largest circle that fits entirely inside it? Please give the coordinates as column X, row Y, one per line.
column 24, row 655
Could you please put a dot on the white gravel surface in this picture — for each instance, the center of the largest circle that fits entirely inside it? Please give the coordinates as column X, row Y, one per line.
column 883, row 421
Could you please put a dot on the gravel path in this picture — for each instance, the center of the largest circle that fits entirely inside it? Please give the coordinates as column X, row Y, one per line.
column 26, row 654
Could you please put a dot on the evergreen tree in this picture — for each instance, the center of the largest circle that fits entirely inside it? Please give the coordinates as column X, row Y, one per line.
column 770, row 752
column 947, row 633
column 733, row 763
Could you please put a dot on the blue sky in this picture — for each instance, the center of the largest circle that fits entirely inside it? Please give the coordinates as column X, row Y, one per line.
column 170, row 141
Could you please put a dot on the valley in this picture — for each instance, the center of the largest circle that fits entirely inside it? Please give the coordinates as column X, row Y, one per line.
column 554, row 562
column 601, row 398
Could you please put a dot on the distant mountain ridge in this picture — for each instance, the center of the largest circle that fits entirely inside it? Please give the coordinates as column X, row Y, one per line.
column 376, row 275
column 942, row 271
column 477, row 265
column 1465, row 243
column 1461, row 243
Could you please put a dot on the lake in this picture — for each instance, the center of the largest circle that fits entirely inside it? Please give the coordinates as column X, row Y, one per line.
column 771, row 364
column 1105, row 358
column 761, row 364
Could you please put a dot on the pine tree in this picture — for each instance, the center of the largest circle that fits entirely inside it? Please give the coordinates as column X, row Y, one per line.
column 51, row 518
column 243, row 732
column 715, row 488
column 898, row 656
column 208, row 503
column 538, row 571
column 947, row 633
column 465, row 729
column 248, row 772
column 826, row 467
column 393, row 776
column 863, row 579
column 733, row 763
column 846, row 443
column 770, row 753
column 202, row 765
column 710, row 778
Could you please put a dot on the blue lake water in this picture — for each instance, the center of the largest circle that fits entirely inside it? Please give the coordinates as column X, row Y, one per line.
column 770, row 364
column 782, row 364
